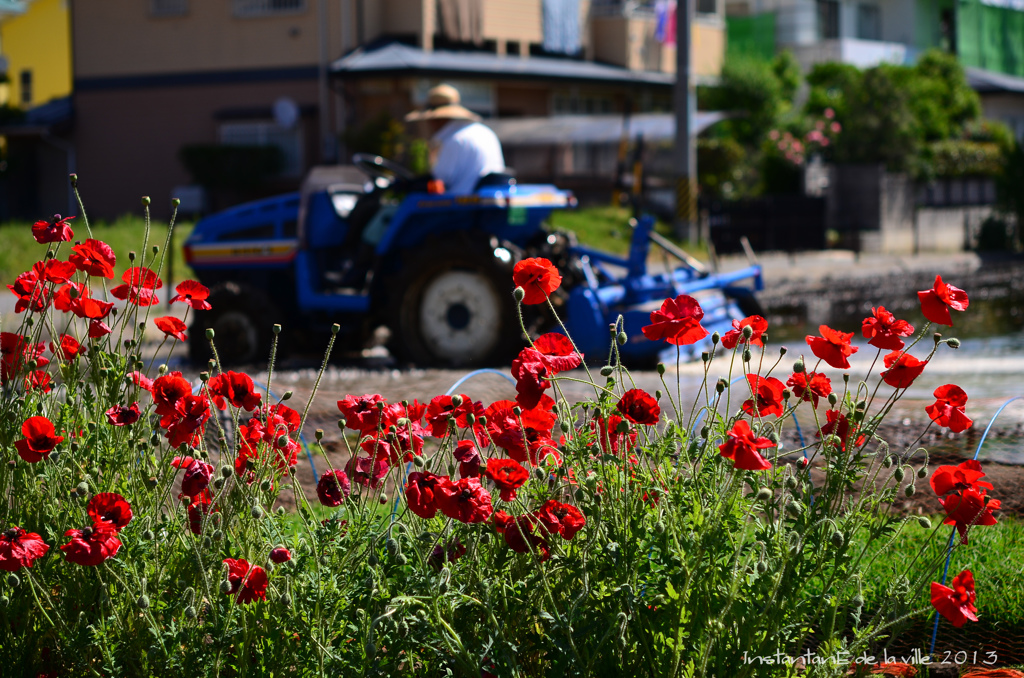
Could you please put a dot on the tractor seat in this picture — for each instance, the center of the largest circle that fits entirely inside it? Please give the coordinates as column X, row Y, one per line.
column 496, row 180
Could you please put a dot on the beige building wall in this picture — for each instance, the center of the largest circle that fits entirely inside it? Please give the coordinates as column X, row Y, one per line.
column 629, row 42
column 518, row 20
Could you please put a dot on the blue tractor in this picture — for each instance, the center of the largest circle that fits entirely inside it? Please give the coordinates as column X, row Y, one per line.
column 438, row 275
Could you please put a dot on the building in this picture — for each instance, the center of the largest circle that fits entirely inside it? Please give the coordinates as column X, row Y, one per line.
column 35, row 40
column 154, row 77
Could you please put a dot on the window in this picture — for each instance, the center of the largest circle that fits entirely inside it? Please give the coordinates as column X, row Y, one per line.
column 162, row 8
column 869, row 22
column 267, row 134
column 828, row 19
column 707, row 6
column 26, row 86
column 251, row 8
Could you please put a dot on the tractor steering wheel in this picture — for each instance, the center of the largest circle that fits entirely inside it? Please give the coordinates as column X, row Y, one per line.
column 378, row 166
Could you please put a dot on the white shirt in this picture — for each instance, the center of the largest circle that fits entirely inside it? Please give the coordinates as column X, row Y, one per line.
column 469, row 150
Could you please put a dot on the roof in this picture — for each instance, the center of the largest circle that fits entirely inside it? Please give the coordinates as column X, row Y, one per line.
column 594, row 129
column 990, row 82
column 399, row 59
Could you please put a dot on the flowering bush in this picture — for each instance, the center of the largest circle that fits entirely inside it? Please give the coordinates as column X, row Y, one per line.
column 632, row 534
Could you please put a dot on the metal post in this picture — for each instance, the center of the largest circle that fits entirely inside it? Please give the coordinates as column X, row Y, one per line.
column 327, row 147
column 685, row 105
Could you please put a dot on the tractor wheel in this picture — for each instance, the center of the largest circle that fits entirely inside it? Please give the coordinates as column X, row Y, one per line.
column 454, row 308
column 242, row 320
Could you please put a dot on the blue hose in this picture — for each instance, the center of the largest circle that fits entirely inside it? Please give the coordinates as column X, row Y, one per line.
column 949, row 547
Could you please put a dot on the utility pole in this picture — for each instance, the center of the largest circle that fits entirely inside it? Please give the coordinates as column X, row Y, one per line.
column 684, row 102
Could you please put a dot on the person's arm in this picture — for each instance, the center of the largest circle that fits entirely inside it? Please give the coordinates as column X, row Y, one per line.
column 446, row 168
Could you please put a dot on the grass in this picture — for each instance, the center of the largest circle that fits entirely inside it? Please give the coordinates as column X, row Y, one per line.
column 20, row 250
column 607, row 229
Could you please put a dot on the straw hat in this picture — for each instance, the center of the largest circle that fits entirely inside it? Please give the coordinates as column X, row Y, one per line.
column 443, row 103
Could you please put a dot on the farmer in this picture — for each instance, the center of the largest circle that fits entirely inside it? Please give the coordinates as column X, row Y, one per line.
column 466, row 148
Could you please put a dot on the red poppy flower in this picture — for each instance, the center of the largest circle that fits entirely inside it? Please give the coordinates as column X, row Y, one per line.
column 138, row 288
column 40, row 439
column 167, row 391
column 466, row 501
column 57, row 230
column 883, row 330
column 948, row 409
column 280, row 555
column 172, row 327
column 559, row 355
column 194, row 294
column 468, row 456
column 32, row 293
column 367, row 471
column 123, row 415
column 98, row 328
column 610, row 438
column 255, row 437
column 68, row 293
column 968, row 508
column 19, row 549
column 447, row 553
column 67, row 349
column 508, row 476
column 530, row 372
column 559, row 518
column 111, row 508
column 520, row 535
column 734, row 336
column 421, row 493
column 197, row 478
column 441, row 407
column 333, row 487
column 936, row 302
column 362, row 413
column 767, row 396
column 639, row 407
column 90, row 546
column 838, row 424
column 278, row 415
column 742, row 447
column 958, row 478
column 957, row 603
column 677, row 322
column 15, row 354
column 199, row 506
column 141, row 380
column 538, row 277
column 188, row 421
column 903, row 369
column 833, row 347
column 84, row 306
column 249, row 582
column 810, row 386
column 38, row 380
column 95, row 258
column 236, row 388
column 58, row 272
column 529, row 440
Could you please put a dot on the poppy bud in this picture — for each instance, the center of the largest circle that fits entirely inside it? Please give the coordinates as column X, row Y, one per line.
column 791, row 483
column 383, row 498
column 266, row 485
column 887, row 462
column 335, row 328
column 457, row 400
column 418, row 461
column 659, row 527
column 13, row 581
column 747, row 331
column 762, row 567
column 148, row 535
column 517, row 410
column 372, row 560
column 704, row 431
column 518, row 294
column 190, row 612
column 720, row 386
column 288, row 396
column 539, row 473
column 82, row 488
column 794, row 509
column 924, row 522
column 846, row 378
column 623, row 427
column 764, row 494
column 210, row 333
column 204, row 377
column 342, row 423
column 276, row 329
column 622, row 338
column 657, row 394
column 4, row 602
column 661, row 368
column 256, row 512
column 747, row 355
column 218, row 535
column 607, row 370
column 286, row 599
column 909, row 490
column 225, row 587
column 898, row 474
column 32, row 364
column 131, row 255
column 143, row 602
column 218, row 483
column 838, row 539
column 921, row 472
column 715, row 338
column 786, row 394
column 953, row 342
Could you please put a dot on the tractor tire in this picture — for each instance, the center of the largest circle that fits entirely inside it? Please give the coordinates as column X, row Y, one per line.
column 453, row 307
column 242, row 320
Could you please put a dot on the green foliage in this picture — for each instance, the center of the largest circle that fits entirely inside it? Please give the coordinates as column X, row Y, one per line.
column 603, row 228
column 720, row 166
column 963, row 157
column 239, row 168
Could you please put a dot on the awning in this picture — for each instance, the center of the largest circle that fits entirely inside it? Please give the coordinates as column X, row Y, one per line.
column 595, row 129
column 990, row 82
column 399, row 59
